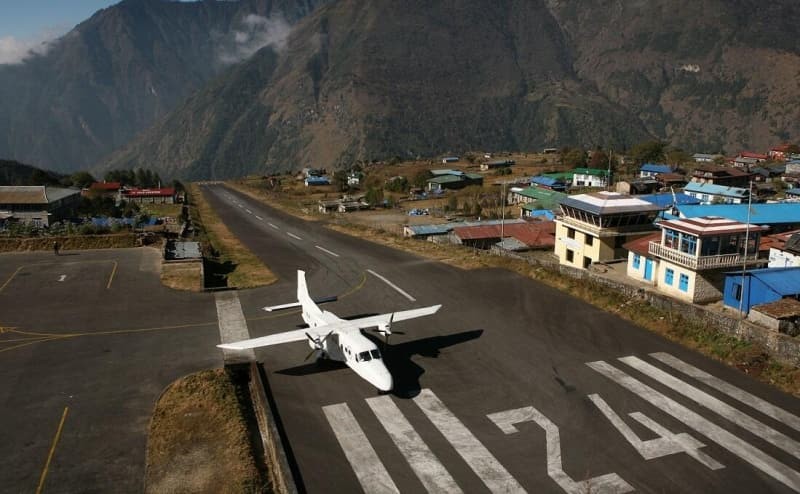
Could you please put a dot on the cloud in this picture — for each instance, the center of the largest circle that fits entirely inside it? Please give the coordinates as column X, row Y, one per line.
column 254, row 33
column 16, row 50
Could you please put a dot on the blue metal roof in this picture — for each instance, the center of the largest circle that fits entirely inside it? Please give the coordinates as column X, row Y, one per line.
column 431, row 229
column 793, row 192
column 665, row 200
column 785, row 281
column 760, row 214
column 546, row 181
column 714, row 189
column 656, row 168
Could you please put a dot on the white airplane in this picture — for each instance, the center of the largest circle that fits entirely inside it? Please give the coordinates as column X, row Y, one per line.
column 338, row 339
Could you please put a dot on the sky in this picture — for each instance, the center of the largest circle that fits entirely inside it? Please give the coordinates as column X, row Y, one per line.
column 25, row 19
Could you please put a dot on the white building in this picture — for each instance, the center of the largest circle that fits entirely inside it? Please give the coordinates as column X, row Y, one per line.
column 689, row 258
column 786, row 250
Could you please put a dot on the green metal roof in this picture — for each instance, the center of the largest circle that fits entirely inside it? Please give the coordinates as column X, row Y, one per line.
column 591, row 171
column 446, row 179
column 565, row 176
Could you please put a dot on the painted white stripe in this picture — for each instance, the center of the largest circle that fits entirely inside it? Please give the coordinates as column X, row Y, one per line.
column 259, row 218
column 740, row 448
column 62, row 277
column 721, row 408
column 610, row 483
column 426, row 466
column 323, row 249
column 232, row 326
column 667, row 444
column 359, row 452
column 397, row 288
column 274, row 226
column 293, row 236
column 248, row 211
column 480, row 460
column 743, row 396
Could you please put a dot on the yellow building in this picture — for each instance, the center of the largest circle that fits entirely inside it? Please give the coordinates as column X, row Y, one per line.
column 593, row 227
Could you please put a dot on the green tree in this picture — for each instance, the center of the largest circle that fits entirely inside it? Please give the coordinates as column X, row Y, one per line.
column 82, row 179
column 574, row 157
column 677, row 156
column 648, row 152
column 340, row 181
column 599, row 159
column 421, row 178
column 374, row 196
column 452, row 203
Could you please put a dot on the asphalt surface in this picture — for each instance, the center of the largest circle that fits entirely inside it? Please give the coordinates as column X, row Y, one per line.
column 96, row 334
column 503, row 350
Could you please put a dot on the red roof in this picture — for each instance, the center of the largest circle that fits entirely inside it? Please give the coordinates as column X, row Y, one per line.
column 163, row 192
column 783, row 148
column 642, row 244
column 750, row 154
column 534, row 234
column 107, row 186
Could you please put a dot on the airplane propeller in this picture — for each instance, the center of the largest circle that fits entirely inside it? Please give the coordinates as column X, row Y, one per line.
column 386, row 331
column 318, row 344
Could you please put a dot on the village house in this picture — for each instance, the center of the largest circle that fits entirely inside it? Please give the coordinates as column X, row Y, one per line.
column 590, row 177
column 718, row 175
column 752, row 288
column 522, row 236
column 103, row 189
column 784, row 249
column 493, row 165
column 541, row 198
column 552, row 183
column 705, row 158
column 593, row 227
column 689, row 258
column 164, row 195
column 637, row 186
column 716, row 194
column 780, row 153
column 778, row 216
column 669, row 180
column 451, row 179
column 650, row 170
column 38, row 205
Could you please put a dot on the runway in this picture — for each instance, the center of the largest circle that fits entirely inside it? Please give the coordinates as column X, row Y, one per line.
column 511, row 387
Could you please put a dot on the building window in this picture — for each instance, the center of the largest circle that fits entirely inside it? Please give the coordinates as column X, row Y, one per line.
column 587, row 261
column 737, row 291
column 570, row 233
column 589, row 240
column 688, row 244
column 669, row 276
column 671, row 239
column 570, row 255
column 637, row 261
column 683, row 283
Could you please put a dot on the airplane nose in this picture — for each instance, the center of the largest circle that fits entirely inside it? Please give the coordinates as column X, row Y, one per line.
column 385, row 383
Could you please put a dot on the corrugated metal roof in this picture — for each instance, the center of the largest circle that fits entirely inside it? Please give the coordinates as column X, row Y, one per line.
column 532, row 234
column 590, row 171
column 445, row 179
column 785, row 281
column 656, row 168
column 760, row 214
column 714, row 189
column 665, row 200
column 430, row 229
column 609, row 203
column 184, row 250
column 780, row 309
column 34, row 194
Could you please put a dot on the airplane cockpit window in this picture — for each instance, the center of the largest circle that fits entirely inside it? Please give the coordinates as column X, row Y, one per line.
column 363, row 357
column 375, row 354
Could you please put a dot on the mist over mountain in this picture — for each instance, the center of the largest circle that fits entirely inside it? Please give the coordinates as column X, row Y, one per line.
column 116, row 73
column 375, row 79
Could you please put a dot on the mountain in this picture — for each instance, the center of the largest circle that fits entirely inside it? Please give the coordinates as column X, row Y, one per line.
column 14, row 173
column 377, row 78
column 113, row 75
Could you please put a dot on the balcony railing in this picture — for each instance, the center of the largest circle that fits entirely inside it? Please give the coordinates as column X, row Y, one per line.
column 696, row 263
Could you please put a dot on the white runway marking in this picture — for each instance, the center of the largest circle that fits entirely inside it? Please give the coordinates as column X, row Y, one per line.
column 359, row 452
column 426, row 466
column 479, row 459
column 719, row 407
column 274, row 226
column 667, row 444
column 294, row 236
column 248, row 211
column 740, row 448
column 397, row 288
column 323, row 249
column 62, row 277
column 609, row 483
column 259, row 218
column 743, row 396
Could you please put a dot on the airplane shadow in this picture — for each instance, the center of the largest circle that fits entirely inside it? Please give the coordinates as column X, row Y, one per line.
column 405, row 372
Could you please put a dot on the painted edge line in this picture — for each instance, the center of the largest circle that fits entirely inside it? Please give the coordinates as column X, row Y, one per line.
column 294, row 236
column 52, row 452
column 274, row 226
column 397, row 288
column 323, row 249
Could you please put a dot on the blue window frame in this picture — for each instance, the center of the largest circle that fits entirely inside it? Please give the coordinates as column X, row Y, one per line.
column 688, row 244
column 669, row 276
column 671, row 239
column 637, row 259
column 683, row 283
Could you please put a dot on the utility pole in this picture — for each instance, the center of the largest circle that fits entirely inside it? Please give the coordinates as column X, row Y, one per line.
column 746, row 242
column 503, row 214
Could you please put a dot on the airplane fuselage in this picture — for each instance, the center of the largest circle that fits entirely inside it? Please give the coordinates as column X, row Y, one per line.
column 351, row 347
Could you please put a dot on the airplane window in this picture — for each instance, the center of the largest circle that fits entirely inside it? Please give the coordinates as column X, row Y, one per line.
column 364, row 357
column 376, row 354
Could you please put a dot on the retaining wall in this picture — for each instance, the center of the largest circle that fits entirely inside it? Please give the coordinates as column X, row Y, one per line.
column 72, row 242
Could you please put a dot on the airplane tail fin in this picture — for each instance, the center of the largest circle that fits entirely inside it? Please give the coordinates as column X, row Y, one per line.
column 303, row 297
column 302, row 288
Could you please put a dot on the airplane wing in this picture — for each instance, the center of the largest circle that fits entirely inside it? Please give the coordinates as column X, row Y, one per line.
column 273, row 339
column 403, row 315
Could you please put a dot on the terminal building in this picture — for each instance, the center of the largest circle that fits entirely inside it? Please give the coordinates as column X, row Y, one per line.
column 38, row 205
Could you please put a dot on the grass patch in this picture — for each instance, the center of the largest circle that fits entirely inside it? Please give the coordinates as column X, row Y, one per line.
column 199, row 439
column 186, row 276
column 233, row 264
column 162, row 210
